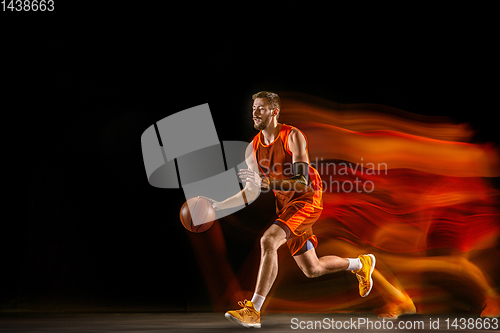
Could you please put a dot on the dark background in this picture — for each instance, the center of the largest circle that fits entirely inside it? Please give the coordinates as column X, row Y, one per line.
column 88, row 232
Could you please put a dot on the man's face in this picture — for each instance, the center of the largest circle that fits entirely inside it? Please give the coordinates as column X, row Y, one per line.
column 262, row 113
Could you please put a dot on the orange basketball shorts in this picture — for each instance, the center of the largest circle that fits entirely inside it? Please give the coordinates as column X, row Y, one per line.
column 297, row 218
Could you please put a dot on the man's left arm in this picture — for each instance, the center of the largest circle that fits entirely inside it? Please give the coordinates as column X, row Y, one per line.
column 299, row 182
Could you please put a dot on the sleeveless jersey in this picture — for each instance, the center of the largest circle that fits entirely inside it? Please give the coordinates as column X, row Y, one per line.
column 275, row 161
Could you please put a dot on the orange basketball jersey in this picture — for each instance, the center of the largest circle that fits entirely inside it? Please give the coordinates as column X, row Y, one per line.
column 275, row 161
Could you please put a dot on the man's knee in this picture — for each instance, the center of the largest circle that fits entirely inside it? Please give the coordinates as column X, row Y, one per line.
column 269, row 242
column 272, row 239
column 310, row 272
column 307, row 261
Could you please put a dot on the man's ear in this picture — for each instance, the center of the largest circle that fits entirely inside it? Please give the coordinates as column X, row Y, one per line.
column 276, row 112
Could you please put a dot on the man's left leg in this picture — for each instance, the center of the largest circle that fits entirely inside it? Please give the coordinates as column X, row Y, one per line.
column 312, row 266
column 363, row 267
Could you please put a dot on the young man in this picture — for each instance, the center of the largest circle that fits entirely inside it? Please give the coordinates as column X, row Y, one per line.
column 278, row 159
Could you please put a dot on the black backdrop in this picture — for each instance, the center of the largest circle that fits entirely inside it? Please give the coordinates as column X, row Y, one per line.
column 88, row 231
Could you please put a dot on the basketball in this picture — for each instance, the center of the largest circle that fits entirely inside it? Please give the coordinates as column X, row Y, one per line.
column 195, row 212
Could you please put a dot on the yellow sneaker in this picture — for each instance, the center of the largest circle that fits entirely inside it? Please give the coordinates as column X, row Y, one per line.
column 248, row 316
column 364, row 274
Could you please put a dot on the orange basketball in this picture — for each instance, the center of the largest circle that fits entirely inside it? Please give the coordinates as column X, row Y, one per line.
column 195, row 212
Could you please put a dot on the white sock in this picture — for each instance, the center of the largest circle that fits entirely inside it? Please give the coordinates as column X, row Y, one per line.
column 257, row 301
column 354, row 264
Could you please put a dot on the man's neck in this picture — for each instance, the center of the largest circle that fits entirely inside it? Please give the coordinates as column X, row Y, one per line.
column 271, row 132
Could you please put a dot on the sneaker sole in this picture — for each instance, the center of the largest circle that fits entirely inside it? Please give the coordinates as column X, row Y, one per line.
column 371, row 271
column 233, row 319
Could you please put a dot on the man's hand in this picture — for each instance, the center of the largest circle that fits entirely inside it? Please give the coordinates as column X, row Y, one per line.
column 248, row 175
column 215, row 204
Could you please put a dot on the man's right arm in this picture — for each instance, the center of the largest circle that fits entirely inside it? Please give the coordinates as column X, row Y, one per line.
column 249, row 193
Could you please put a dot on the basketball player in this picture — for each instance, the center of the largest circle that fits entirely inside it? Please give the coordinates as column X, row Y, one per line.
column 278, row 160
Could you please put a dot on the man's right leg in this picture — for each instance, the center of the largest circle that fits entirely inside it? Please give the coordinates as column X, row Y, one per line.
column 272, row 239
column 249, row 315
